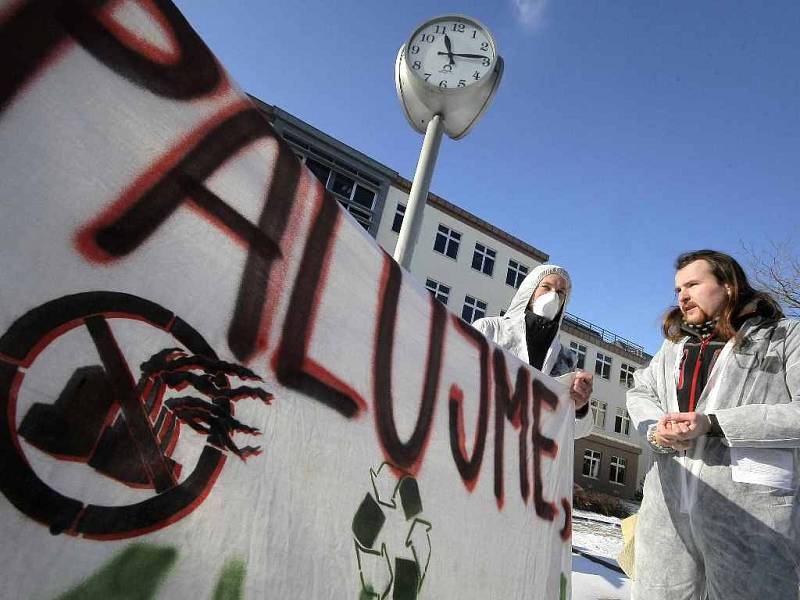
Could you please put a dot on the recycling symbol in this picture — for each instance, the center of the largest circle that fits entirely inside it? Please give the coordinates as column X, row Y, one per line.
column 392, row 540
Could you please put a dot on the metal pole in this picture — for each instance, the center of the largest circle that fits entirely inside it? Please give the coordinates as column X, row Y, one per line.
column 418, row 196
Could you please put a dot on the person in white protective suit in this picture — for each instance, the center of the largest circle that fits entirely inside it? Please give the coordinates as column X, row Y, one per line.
column 529, row 330
column 720, row 406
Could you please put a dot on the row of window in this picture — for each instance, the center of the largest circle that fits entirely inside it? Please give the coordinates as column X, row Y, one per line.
column 473, row 308
column 622, row 420
column 448, row 242
column 357, row 198
column 591, row 466
column 602, row 365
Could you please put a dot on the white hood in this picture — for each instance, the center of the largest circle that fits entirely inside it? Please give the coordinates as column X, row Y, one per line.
column 515, row 315
column 520, row 300
column 508, row 332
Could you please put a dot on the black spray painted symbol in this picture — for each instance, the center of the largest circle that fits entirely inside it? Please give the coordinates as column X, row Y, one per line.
column 397, row 570
column 122, row 428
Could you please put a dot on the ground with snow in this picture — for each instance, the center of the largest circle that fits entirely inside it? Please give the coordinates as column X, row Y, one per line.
column 596, row 540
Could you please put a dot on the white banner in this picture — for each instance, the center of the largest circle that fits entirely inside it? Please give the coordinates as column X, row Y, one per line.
column 214, row 384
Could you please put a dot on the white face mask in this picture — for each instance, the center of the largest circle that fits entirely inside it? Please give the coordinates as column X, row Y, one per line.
column 547, row 305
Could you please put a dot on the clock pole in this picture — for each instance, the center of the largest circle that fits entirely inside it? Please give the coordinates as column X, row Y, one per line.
column 407, row 240
column 441, row 95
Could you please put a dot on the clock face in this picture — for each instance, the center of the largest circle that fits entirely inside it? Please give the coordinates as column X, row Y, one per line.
column 451, row 52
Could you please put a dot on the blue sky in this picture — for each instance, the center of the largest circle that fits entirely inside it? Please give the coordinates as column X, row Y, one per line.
column 622, row 134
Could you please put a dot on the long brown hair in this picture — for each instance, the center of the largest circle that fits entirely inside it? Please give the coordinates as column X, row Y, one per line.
column 727, row 272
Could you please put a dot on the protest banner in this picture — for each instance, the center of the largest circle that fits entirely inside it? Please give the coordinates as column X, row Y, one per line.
column 213, row 382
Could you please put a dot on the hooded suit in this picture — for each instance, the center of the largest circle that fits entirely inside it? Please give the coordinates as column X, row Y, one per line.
column 720, row 521
column 509, row 333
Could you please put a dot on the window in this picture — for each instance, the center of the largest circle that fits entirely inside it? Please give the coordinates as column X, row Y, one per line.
column 364, row 217
column 473, row 309
column 516, row 273
column 580, row 351
column 348, row 189
column 591, row 463
column 602, row 366
column 598, row 413
column 616, row 471
column 363, row 196
column 447, row 241
column 626, row 375
column 319, row 170
column 398, row 218
column 356, row 198
column 483, row 259
column 438, row 290
column 343, row 185
column 622, row 422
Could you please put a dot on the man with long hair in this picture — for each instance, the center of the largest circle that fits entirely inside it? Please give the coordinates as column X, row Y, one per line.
column 720, row 406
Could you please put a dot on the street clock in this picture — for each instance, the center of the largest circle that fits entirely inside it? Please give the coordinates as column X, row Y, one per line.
column 445, row 74
column 448, row 67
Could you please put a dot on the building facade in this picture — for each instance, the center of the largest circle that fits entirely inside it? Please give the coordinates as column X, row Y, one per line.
column 475, row 268
column 612, row 458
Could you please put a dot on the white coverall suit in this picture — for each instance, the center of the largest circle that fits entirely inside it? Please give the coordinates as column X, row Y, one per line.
column 508, row 332
column 720, row 521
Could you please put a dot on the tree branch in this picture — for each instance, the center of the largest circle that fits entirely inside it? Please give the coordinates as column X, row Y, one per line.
column 777, row 271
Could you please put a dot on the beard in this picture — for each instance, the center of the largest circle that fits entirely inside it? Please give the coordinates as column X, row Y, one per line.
column 695, row 315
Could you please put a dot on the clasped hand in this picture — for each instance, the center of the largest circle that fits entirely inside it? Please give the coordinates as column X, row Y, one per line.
column 678, row 430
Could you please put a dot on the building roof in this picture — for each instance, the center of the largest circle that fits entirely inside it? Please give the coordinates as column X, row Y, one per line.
column 605, row 339
column 401, row 182
column 323, row 139
column 478, row 223
column 572, row 324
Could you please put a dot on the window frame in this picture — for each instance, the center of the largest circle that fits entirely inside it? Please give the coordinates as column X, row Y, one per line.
column 451, row 237
column 437, row 291
column 594, row 459
column 598, row 407
column 602, row 365
column 626, row 375
column 617, row 465
column 400, row 211
column 363, row 215
column 473, row 308
column 580, row 354
column 519, row 269
column 485, row 256
column 622, row 421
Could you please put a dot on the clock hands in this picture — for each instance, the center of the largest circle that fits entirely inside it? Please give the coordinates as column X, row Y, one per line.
column 449, row 52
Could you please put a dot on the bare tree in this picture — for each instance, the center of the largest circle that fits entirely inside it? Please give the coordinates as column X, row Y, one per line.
column 777, row 271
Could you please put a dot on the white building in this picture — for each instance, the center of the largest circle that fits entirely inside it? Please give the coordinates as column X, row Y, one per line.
column 613, row 458
column 475, row 268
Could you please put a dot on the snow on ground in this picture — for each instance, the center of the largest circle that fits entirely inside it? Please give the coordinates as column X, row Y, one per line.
column 591, row 581
column 600, row 537
column 585, row 514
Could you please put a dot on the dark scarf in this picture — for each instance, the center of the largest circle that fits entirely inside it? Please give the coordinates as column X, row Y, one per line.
column 701, row 330
column 539, row 334
column 700, row 352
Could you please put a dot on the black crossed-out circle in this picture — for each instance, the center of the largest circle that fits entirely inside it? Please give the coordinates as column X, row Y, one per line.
column 20, row 346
